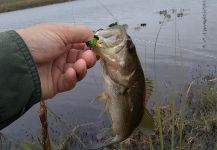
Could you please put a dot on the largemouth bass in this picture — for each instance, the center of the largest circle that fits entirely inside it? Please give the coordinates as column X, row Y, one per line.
column 126, row 89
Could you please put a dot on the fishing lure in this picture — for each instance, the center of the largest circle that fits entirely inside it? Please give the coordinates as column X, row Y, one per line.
column 92, row 42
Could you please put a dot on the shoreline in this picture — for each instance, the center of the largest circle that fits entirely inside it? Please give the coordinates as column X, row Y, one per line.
column 12, row 5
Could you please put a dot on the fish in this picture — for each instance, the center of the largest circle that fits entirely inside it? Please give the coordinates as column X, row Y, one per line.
column 126, row 89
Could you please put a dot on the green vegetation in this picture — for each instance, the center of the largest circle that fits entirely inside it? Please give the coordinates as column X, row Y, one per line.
column 11, row 5
column 198, row 124
column 186, row 121
column 190, row 128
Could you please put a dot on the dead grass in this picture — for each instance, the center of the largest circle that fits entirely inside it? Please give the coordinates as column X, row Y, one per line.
column 11, row 5
column 199, row 124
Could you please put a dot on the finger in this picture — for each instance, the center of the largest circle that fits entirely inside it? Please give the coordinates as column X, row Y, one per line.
column 89, row 57
column 79, row 46
column 67, row 80
column 73, row 56
column 80, row 67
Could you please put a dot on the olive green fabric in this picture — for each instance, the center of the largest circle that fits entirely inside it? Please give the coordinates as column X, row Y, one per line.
column 20, row 86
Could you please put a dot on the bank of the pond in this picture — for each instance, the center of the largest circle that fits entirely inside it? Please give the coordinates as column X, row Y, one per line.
column 189, row 127
column 11, row 5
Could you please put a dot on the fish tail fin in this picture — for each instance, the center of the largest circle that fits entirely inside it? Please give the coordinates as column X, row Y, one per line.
column 147, row 120
column 101, row 145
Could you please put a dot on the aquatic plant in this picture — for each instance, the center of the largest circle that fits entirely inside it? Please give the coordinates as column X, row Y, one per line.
column 199, row 124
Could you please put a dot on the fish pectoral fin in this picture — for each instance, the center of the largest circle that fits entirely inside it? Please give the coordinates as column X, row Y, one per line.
column 148, row 89
column 105, row 133
column 106, row 106
column 147, row 120
column 100, row 97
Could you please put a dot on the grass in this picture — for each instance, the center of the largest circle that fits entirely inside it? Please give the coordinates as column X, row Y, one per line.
column 191, row 127
column 181, row 126
column 159, row 126
column 11, row 5
column 198, row 129
column 187, row 121
column 35, row 143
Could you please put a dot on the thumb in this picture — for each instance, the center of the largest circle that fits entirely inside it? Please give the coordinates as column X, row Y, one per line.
column 75, row 33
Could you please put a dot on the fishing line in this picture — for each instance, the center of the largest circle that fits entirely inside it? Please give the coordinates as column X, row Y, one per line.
column 73, row 15
column 92, row 71
column 109, row 12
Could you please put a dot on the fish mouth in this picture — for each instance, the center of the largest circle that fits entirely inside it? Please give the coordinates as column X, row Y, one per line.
column 111, row 40
column 111, row 36
column 110, row 50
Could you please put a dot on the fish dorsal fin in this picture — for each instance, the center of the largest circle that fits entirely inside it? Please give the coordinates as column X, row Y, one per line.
column 148, row 88
column 147, row 121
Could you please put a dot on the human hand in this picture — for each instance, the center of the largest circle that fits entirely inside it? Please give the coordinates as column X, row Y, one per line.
column 60, row 53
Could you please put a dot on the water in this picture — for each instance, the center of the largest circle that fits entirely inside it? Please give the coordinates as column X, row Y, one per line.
column 185, row 49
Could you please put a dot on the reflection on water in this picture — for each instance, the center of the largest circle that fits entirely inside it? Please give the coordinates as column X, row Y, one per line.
column 192, row 47
column 177, row 12
column 204, row 13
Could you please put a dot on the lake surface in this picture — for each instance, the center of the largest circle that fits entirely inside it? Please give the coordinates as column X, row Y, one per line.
column 186, row 48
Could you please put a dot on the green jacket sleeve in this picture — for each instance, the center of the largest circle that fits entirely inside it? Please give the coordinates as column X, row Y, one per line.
column 20, row 86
